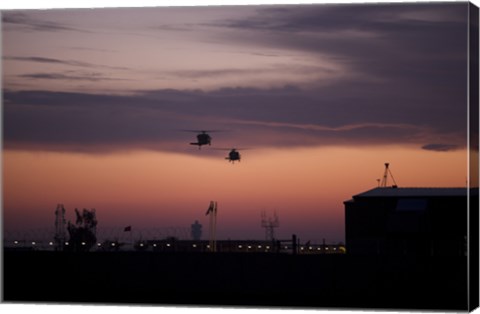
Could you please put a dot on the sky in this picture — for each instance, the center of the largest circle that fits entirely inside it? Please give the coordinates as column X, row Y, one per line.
column 96, row 104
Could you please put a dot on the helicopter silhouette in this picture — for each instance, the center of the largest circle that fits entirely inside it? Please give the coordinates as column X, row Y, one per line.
column 203, row 138
column 233, row 155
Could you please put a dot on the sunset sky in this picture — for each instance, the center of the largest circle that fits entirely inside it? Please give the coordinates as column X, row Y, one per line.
column 96, row 101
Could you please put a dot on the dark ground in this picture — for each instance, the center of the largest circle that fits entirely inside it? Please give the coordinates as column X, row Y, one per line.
column 236, row 279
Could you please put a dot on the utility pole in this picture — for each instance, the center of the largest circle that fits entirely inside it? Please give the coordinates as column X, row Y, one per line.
column 60, row 223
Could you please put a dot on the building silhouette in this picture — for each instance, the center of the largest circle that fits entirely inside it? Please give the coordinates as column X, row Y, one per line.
column 408, row 221
column 196, row 231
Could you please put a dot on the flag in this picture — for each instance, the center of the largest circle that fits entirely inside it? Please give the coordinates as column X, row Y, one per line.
column 128, row 228
column 210, row 208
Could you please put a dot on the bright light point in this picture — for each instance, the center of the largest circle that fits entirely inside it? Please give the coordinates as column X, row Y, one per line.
column 194, row 245
column 168, row 244
column 239, row 246
column 99, row 244
column 141, row 244
column 268, row 247
column 66, row 243
column 310, row 248
column 154, row 245
column 301, row 248
column 249, row 247
column 113, row 244
column 83, row 243
column 259, row 246
column 33, row 243
column 50, row 243
column 16, row 242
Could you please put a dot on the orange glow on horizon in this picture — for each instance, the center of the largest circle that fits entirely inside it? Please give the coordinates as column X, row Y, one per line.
column 306, row 187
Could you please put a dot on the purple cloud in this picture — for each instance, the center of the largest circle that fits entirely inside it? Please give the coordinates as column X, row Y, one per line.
column 285, row 117
column 440, row 147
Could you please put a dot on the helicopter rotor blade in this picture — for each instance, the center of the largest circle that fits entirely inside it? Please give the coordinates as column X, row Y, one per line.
column 232, row 148
column 203, row 131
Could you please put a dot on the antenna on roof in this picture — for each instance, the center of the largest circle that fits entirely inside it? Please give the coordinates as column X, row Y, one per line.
column 387, row 171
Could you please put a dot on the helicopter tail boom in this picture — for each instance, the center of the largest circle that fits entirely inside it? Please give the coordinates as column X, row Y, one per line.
column 198, row 144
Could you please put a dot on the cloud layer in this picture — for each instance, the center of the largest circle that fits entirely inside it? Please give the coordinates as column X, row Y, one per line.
column 364, row 75
column 286, row 117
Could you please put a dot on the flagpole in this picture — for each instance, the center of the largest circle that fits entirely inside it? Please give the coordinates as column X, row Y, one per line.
column 211, row 234
column 131, row 238
column 215, row 227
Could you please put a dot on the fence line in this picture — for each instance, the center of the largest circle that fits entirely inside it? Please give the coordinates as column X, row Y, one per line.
column 42, row 236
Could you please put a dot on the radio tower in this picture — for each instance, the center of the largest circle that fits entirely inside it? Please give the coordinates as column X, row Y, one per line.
column 59, row 227
column 270, row 224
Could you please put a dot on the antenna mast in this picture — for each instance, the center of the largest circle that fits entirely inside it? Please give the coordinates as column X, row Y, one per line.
column 270, row 224
column 387, row 171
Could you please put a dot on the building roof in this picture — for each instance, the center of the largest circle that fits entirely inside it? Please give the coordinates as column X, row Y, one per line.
column 415, row 192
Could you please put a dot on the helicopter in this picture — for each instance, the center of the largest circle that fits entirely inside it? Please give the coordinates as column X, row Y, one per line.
column 233, row 155
column 203, row 138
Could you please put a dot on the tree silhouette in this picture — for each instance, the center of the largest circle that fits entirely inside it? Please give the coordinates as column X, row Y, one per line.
column 83, row 232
